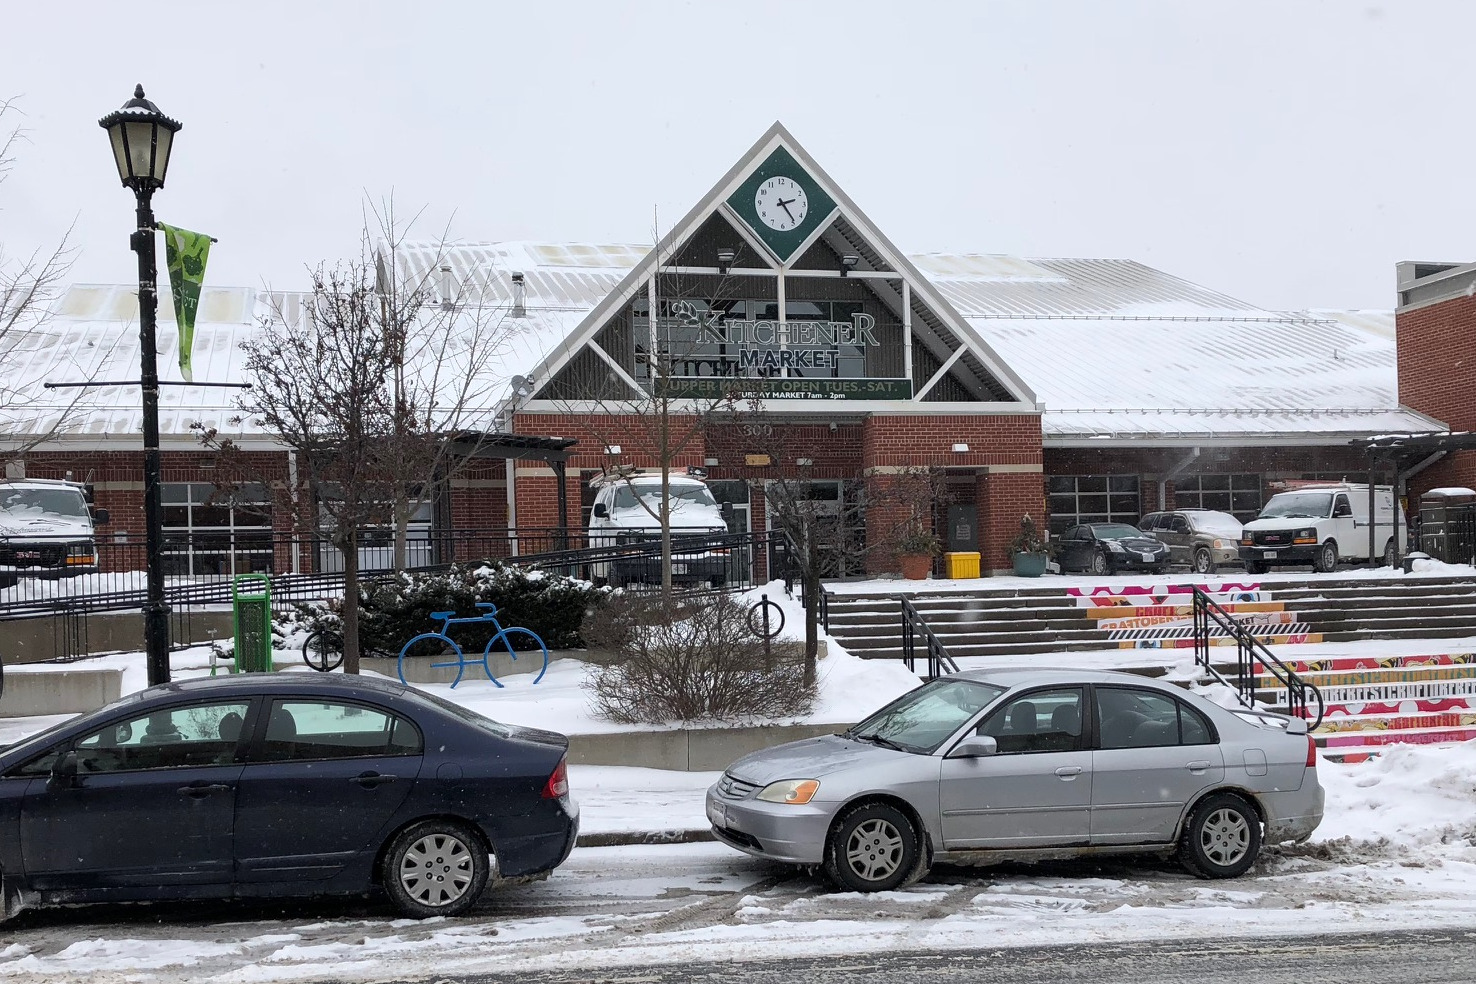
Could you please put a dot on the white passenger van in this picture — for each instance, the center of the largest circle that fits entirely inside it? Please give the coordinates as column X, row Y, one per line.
column 1322, row 525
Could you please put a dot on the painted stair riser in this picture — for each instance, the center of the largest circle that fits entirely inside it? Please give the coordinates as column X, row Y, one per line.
column 1188, row 643
column 1361, row 739
column 1346, row 663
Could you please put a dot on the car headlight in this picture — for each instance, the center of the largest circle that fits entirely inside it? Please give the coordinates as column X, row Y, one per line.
column 1114, row 546
column 1308, row 533
column 796, row 792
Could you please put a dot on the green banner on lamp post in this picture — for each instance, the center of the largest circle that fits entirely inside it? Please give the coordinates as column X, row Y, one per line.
column 185, row 253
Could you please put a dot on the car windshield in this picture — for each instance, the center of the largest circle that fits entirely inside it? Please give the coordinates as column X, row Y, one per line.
column 1216, row 523
column 1289, row 505
column 1116, row 531
column 682, row 495
column 43, row 502
column 922, row 720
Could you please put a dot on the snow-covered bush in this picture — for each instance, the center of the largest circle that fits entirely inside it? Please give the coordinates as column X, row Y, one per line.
column 694, row 660
column 393, row 612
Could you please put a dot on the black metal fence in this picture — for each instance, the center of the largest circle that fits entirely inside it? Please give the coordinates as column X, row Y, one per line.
column 200, row 569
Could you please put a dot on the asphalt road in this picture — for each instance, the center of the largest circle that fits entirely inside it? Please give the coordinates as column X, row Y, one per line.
column 1370, row 958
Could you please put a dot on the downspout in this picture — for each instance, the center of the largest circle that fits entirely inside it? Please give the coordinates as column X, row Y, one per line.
column 1400, row 485
column 1173, row 473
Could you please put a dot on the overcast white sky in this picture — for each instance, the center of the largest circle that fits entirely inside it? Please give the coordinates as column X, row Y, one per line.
column 1284, row 152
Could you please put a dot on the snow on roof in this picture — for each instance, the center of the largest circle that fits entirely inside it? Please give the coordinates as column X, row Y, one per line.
column 1146, row 355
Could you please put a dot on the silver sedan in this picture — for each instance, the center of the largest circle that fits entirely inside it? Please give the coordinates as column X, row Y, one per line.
column 1026, row 764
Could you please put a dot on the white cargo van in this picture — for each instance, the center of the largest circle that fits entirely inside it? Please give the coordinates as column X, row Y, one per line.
column 626, row 509
column 1321, row 525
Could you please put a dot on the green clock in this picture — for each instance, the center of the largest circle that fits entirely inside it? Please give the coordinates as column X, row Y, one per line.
column 782, row 204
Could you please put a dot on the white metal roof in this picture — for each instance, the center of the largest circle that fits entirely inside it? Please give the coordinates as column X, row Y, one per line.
column 1114, row 350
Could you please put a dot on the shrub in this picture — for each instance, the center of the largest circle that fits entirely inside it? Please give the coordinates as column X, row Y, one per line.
column 1028, row 540
column 915, row 539
column 695, row 660
column 392, row 612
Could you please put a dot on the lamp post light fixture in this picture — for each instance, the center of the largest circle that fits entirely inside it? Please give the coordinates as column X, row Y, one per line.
column 142, row 139
column 725, row 258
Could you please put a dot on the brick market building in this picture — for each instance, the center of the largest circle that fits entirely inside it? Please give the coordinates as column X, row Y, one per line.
column 1070, row 389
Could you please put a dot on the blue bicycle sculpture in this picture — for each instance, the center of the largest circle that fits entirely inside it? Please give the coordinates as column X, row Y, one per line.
column 449, row 646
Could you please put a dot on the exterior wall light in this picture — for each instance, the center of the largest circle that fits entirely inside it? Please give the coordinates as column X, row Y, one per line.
column 725, row 259
column 612, row 449
column 802, row 462
column 848, row 263
column 961, row 448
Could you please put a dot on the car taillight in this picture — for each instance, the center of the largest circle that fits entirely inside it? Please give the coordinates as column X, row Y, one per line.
column 557, row 786
column 1311, row 752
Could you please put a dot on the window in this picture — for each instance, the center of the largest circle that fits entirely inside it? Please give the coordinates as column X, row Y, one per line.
column 1077, row 499
column 1131, row 718
column 301, row 729
column 923, row 719
column 208, row 531
column 1040, row 721
column 195, row 735
column 1239, row 495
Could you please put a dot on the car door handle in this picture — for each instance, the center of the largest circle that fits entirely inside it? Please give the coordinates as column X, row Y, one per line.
column 1197, row 766
column 1068, row 771
column 371, row 779
column 198, row 790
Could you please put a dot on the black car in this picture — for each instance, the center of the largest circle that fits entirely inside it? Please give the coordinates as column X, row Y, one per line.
column 1106, row 548
column 281, row 784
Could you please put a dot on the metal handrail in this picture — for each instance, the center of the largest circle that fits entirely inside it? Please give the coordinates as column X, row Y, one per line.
column 914, row 624
column 1249, row 651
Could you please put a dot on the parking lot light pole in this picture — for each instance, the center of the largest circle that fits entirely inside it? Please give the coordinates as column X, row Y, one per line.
column 142, row 138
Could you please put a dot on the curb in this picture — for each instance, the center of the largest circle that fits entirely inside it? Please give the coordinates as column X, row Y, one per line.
column 628, row 838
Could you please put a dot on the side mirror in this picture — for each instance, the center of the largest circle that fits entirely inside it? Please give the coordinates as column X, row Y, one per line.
column 601, row 510
column 99, row 516
column 727, row 510
column 64, row 769
column 975, row 746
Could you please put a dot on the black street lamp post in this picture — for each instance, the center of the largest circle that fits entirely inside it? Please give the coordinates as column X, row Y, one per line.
column 142, row 138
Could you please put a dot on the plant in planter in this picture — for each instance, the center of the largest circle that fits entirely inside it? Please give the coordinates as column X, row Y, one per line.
column 915, row 548
column 1028, row 550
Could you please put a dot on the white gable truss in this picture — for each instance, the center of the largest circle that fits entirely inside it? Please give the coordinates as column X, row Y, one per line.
column 954, row 358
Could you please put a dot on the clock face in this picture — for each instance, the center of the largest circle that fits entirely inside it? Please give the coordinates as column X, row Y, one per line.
column 781, row 203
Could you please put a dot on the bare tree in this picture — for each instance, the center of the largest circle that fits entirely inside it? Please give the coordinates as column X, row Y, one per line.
column 379, row 386
column 828, row 536
column 28, row 284
column 665, row 415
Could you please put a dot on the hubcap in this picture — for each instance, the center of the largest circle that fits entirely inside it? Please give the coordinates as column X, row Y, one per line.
column 436, row 870
column 874, row 850
column 1225, row 837
column 1202, row 563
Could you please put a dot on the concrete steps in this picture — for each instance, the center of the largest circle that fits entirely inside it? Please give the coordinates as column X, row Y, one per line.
column 1371, row 701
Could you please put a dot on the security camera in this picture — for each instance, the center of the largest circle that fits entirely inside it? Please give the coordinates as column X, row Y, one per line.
column 833, row 427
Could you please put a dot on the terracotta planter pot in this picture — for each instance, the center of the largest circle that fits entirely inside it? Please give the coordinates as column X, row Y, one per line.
column 1030, row 564
column 915, row 567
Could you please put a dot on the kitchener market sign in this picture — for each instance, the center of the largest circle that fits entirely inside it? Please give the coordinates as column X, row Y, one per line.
column 768, row 347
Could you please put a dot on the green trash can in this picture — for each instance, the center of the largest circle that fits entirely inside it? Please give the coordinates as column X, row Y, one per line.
column 251, row 597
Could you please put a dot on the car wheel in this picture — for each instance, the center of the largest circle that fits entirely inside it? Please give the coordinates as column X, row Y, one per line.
column 435, row 868
column 1203, row 562
column 1099, row 563
column 1390, row 554
column 1254, row 567
column 1222, row 838
column 1326, row 559
column 874, row 848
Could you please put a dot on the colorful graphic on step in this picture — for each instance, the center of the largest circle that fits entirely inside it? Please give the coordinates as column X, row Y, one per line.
column 1289, row 639
column 1338, row 663
column 1111, row 596
column 1364, row 738
column 1397, row 722
column 1251, row 620
column 1183, row 611
column 1432, row 705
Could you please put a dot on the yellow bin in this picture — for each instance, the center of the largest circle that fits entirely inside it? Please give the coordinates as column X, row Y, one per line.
column 961, row 564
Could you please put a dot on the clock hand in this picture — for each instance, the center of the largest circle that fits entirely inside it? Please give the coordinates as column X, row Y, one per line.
column 784, row 204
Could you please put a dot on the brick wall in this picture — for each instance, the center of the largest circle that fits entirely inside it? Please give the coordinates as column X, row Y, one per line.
column 1437, row 361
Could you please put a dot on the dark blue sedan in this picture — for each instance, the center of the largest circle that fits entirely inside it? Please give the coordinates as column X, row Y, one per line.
column 281, row 784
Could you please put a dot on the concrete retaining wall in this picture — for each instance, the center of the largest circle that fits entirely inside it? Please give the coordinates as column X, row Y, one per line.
column 687, row 749
column 36, row 640
column 31, row 693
